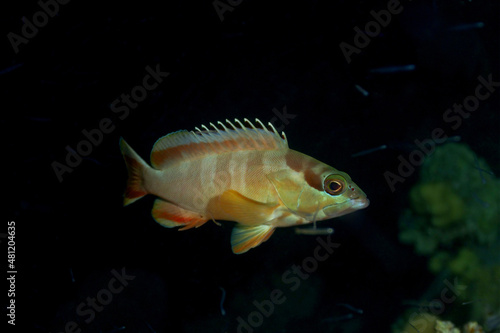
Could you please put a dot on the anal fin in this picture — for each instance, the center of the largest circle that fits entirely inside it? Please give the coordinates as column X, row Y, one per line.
column 243, row 238
column 170, row 215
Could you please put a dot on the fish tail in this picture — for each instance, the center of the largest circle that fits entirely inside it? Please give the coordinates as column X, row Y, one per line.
column 136, row 168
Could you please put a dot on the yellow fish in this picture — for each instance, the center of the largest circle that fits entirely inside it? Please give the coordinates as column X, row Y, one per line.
column 245, row 174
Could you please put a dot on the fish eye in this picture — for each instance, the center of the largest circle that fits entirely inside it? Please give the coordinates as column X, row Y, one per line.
column 334, row 185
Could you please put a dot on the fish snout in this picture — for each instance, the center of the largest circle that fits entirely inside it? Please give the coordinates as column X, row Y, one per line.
column 349, row 206
column 360, row 203
column 357, row 197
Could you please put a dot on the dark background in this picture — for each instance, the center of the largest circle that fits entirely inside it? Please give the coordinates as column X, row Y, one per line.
column 262, row 56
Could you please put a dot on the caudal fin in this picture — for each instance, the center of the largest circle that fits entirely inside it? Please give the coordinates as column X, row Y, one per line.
column 136, row 168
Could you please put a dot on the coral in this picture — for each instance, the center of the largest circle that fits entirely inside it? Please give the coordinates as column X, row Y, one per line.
column 473, row 327
column 471, row 179
column 465, row 264
column 426, row 323
column 445, row 327
column 439, row 202
column 456, row 199
column 454, row 218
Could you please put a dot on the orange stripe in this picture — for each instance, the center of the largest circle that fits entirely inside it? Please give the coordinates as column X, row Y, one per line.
column 313, row 179
column 294, row 162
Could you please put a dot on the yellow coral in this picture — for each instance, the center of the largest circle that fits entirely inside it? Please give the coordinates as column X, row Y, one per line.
column 446, row 327
column 439, row 201
column 473, row 327
column 427, row 323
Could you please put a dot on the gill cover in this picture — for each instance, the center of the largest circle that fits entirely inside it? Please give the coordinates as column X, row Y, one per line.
column 295, row 193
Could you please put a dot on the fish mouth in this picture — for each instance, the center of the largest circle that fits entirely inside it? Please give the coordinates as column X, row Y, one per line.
column 360, row 203
column 354, row 205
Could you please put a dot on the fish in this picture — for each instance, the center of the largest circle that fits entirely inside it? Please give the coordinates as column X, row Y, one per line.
column 242, row 172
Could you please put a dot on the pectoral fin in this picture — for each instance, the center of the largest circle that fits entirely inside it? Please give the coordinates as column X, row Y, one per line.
column 170, row 215
column 245, row 210
column 289, row 187
column 243, row 238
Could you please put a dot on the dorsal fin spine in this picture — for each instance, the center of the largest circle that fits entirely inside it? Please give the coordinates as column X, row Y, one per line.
column 200, row 137
column 262, row 125
column 241, row 125
column 221, row 146
column 204, row 135
column 228, row 132
column 216, row 138
column 208, row 134
column 284, row 137
column 274, row 129
column 232, row 125
column 242, row 130
column 257, row 120
column 248, row 135
column 238, row 132
column 235, row 139
column 255, row 129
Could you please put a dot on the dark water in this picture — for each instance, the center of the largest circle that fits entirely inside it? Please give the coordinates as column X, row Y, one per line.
column 263, row 60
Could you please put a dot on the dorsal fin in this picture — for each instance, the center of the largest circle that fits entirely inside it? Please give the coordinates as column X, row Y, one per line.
column 182, row 145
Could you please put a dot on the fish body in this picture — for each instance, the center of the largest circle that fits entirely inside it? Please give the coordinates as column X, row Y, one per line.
column 238, row 173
